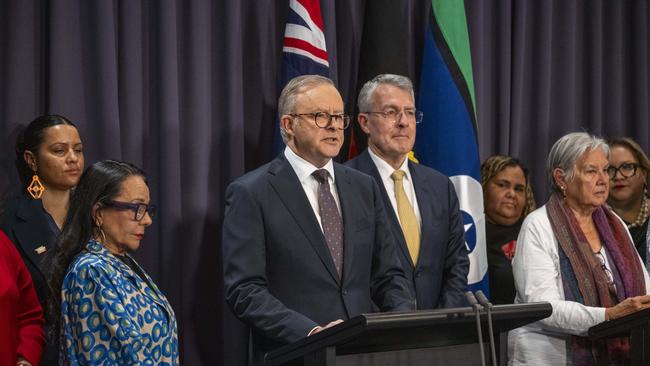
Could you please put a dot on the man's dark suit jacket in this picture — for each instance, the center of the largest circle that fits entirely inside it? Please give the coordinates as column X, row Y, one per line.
column 439, row 279
column 25, row 222
column 279, row 275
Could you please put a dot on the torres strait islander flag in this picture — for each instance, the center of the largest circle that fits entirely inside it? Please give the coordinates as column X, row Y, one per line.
column 447, row 138
column 304, row 51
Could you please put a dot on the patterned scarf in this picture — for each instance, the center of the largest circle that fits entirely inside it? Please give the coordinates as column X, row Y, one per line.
column 590, row 287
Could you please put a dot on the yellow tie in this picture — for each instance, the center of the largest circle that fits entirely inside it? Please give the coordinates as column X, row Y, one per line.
column 407, row 219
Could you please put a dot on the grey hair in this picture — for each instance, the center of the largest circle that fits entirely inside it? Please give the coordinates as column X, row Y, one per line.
column 566, row 152
column 365, row 95
column 289, row 94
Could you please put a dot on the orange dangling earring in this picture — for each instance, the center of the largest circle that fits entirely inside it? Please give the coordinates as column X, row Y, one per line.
column 36, row 188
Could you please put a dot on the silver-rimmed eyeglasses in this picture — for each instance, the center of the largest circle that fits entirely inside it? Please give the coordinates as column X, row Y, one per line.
column 393, row 115
column 325, row 120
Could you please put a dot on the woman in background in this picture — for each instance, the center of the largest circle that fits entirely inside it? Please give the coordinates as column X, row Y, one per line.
column 628, row 195
column 49, row 159
column 508, row 199
column 108, row 308
column 21, row 317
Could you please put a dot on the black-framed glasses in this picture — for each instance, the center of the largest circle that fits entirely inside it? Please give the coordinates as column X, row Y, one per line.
column 325, row 120
column 139, row 209
column 393, row 115
column 627, row 170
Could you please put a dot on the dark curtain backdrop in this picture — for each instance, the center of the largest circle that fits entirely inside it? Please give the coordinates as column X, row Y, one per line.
column 545, row 68
column 188, row 89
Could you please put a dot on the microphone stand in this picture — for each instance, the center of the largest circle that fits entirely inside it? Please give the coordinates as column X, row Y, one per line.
column 488, row 308
column 471, row 299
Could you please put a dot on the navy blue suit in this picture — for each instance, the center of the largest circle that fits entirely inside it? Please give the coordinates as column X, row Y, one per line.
column 26, row 223
column 29, row 227
column 439, row 278
column 279, row 275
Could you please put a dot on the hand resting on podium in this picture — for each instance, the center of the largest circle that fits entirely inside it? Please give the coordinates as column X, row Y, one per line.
column 627, row 307
column 328, row 325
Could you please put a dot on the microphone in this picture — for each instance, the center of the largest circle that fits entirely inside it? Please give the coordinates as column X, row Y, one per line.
column 471, row 299
column 488, row 308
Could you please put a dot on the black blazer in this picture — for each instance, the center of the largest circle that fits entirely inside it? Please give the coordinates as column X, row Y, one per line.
column 26, row 223
column 439, row 278
column 278, row 273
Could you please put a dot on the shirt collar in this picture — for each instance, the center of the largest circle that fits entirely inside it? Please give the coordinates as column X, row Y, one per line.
column 303, row 168
column 94, row 246
column 385, row 170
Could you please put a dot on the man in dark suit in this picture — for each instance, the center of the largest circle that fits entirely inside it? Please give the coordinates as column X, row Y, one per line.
column 421, row 203
column 306, row 243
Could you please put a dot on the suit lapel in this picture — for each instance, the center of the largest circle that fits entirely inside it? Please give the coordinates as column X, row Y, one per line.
column 32, row 231
column 368, row 166
column 425, row 201
column 285, row 182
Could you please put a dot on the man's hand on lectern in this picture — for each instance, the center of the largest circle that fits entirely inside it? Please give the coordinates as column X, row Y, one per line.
column 329, row 325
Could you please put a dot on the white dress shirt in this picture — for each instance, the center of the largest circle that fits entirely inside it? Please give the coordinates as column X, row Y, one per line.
column 303, row 170
column 385, row 171
column 537, row 274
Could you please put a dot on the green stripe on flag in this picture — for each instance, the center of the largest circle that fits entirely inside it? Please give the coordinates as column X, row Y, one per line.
column 452, row 21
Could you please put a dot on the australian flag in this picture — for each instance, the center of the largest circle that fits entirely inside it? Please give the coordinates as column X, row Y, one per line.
column 304, row 51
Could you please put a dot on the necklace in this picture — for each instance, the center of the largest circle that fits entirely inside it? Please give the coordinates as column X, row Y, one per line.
column 642, row 216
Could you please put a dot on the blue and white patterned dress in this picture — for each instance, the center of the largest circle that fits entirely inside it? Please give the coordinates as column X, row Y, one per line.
column 112, row 317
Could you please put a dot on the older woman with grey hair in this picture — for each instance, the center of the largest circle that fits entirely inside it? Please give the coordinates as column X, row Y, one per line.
column 575, row 253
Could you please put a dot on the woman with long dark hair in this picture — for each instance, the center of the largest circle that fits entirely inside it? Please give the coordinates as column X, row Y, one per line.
column 49, row 160
column 108, row 308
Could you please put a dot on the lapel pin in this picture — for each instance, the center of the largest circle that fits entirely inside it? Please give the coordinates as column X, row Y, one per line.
column 40, row 250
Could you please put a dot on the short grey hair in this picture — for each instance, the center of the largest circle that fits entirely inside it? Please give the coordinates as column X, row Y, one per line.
column 289, row 94
column 566, row 152
column 364, row 100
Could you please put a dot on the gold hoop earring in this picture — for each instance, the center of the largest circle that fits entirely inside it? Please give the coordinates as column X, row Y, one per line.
column 36, row 188
column 101, row 232
column 103, row 235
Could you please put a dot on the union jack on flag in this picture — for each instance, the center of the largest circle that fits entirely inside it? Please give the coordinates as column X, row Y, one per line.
column 304, row 51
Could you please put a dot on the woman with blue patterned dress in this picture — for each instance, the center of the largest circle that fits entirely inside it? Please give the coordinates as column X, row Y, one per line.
column 107, row 310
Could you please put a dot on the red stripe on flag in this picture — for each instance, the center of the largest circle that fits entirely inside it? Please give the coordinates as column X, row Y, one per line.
column 353, row 150
column 306, row 46
column 313, row 8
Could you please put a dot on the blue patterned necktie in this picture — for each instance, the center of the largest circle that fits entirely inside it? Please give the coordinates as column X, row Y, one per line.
column 330, row 218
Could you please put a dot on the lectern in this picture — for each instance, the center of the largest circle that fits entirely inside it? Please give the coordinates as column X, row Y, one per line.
column 438, row 331
column 636, row 326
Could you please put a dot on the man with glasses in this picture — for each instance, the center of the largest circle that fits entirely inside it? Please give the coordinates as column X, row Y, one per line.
column 306, row 243
column 421, row 203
